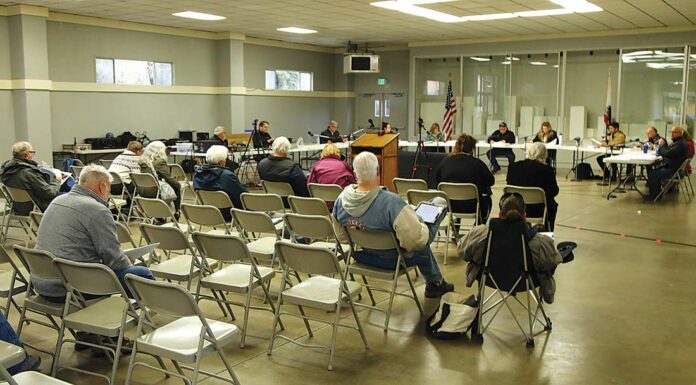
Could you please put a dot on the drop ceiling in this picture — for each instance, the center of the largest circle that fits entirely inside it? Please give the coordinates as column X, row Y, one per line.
column 338, row 21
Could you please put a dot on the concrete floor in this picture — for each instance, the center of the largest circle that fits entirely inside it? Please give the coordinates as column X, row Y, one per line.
column 623, row 314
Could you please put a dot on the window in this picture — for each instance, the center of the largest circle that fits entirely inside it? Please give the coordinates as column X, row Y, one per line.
column 288, row 80
column 433, row 87
column 387, row 108
column 378, row 108
column 136, row 72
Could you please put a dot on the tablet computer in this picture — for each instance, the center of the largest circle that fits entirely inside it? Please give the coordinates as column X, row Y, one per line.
column 428, row 213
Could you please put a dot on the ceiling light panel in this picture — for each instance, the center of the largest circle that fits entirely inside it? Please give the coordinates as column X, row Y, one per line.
column 302, row 31
column 198, row 16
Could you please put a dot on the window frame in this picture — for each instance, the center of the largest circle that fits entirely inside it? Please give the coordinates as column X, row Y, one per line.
column 154, row 77
column 299, row 72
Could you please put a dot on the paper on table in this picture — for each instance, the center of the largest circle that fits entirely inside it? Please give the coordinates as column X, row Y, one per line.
column 138, row 252
column 595, row 141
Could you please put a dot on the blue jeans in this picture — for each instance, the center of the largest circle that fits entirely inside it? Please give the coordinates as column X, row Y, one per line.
column 8, row 335
column 655, row 178
column 424, row 259
column 140, row 271
column 496, row 152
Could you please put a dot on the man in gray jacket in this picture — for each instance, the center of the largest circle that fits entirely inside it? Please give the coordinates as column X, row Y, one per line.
column 79, row 226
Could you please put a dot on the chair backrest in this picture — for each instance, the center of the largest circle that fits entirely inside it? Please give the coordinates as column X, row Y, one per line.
column 89, row 278
column 307, row 259
column 203, row 215
column 310, row 226
column 5, row 258
column 531, row 195
column 262, row 202
column 124, row 235
column 17, row 195
column 225, row 248
column 219, row 199
column 143, row 180
column 461, row 192
column 38, row 263
column 169, row 238
column 106, row 163
column 402, row 185
column 507, row 256
column 36, row 217
column 279, row 188
column 255, row 222
column 414, row 197
column 76, row 170
column 153, row 208
column 325, row 192
column 375, row 240
column 163, row 297
column 177, row 172
column 308, row 206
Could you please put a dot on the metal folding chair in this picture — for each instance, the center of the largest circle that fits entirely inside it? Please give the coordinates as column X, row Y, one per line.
column 272, row 204
column 13, row 281
column 143, row 182
column 679, row 179
column 326, row 192
column 402, row 185
column 259, row 232
column 199, row 217
column 461, row 192
column 75, row 171
column 13, row 197
column 153, row 209
column 178, row 173
column 29, row 378
column 106, row 163
column 531, row 196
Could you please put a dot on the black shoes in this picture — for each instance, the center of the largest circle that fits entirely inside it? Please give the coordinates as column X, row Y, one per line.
column 436, row 290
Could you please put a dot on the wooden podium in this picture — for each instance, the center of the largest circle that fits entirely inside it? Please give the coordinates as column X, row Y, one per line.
column 386, row 147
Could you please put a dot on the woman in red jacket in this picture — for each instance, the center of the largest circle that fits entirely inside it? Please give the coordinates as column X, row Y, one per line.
column 330, row 169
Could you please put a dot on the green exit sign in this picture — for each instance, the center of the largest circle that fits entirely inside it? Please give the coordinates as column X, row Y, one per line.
column 381, row 81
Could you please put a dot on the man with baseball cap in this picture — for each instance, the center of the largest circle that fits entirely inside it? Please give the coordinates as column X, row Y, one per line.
column 502, row 135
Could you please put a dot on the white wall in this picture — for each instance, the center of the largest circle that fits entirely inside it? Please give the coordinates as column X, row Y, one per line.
column 6, row 109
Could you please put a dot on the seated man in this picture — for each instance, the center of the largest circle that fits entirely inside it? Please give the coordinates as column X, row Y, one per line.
column 672, row 158
column 367, row 206
column 126, row 163
column 220, row 135
column 616, row 138
column 262, row 139
column 79, row 226
column 331, row 134
column 502, row 135
column 545, row 257
column 279, row 168
column 23, row 172
column 214, row 176
column 653, row 137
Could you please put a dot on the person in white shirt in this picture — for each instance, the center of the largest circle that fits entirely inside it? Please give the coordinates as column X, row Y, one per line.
column 127, row 162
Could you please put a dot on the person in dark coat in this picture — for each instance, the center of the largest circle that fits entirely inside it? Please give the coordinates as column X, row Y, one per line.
column 279, row 168
column 534, row 172
column 331, row 134
column 461, row 166
column 501, row 135
column 673, row 156
column 262, row 139
column 214, row 176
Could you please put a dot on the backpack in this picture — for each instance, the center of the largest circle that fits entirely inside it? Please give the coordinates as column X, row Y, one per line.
column 455, row 316
column 584, row 171
column 188, row 165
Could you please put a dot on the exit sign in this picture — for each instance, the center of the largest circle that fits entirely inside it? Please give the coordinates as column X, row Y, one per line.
column 381, row 81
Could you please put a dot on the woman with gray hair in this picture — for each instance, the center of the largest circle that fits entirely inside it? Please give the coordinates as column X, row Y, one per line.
column 534, row 172
column 154, row 161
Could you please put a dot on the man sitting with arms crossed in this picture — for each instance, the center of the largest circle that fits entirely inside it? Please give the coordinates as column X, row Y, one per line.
column 673, row 156
column 79, row 226
column 367, row 206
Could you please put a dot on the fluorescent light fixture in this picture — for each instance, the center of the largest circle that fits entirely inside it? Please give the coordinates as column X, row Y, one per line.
column 537, row 63
column 579, row 6
column 299, row 30
column 478, row 58
column 627, row 60
column 638, row 53
column 506, row 62
column 411, row 9
column 198, row 16
column 545, row 12
column 514, row 58
column 555, row 66
column 490, row 16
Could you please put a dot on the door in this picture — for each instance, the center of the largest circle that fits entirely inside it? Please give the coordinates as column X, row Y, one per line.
column 383, row 107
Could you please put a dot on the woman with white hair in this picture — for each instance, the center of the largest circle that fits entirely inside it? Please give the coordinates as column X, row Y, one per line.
column 154, row 161
column 279, row 168
column 214, row 176
column 534, row 172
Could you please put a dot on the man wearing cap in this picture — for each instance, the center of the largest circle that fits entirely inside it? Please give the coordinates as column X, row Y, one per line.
column 502, row 135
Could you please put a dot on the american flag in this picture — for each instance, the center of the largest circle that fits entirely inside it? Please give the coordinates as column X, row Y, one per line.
column 450, row 113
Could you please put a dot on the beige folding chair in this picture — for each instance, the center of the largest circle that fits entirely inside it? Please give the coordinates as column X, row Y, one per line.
column 414, row 197
column 75, row 171
column 177, row 172
column 402, row 185
column 142, row 182
column 181, row 268
column 531, row 196
column 219, row 199
column 16, row 196
column 208, row 216
column 13, row 281
column 29, row 378
column 11, row 354
column 268, row 203
column 125, row 238
column 283, row 189
column 320, row 291
column 461, row 192
column 108, row 317
column 39, row 264
column 106, row 163
column 319, row 229
column 35, row 217
column 252, row 227
column 186, row 339
column 153, row 209
column 4, row 211
column 326, row 192
column 380, row 240
column 308, row 206
column 242, row 276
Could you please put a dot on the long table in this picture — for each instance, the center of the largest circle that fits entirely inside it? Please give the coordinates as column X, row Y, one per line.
column 630, row 157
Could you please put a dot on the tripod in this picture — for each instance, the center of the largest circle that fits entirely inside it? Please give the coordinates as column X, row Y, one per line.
column 420, row 150
column 245, row 154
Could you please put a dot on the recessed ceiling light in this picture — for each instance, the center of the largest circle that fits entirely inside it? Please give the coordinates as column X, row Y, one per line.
column 411, row 9
column 296, row 30
column 537, row 63
column 579, row 6
column 545, row 12
column 490, row 16
column 198, row 16
column 477, row 58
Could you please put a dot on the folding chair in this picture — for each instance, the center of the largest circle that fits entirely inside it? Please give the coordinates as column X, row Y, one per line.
column 177, row 172
column 461, row 192
column 205, row 216
column 4, row 211
column 15, row 196
column 13, row 281
column 316, row 228
column 507, row 269
column 380, row 240
column 531, row 196
column 186, row 339
column 29, row 378
column 11, row 355
column 142, row 182
column 687, row 176
column 402, row 185
column 75, row 171
column 679, row 181
column 125, row 238
column 272, row 204
column 326, row 192
column 242, row 276
column 153, row 209
column 320, row 291
column 107, row 318
column 182, row 267
column 35, row 217
column 308, row 206
column 106, row 163
column 414, row 197
column 219, row 199
column 282, row 189
column 252, row 227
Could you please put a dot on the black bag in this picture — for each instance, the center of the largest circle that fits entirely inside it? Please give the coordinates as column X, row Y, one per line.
column 584, row 171
column 126, row 138
column 188, row 165
column 455, row 316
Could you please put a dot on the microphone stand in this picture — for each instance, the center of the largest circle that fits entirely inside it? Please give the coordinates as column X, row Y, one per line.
column 419, row 150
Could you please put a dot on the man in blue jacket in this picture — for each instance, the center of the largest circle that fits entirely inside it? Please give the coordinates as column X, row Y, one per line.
column 215, row 176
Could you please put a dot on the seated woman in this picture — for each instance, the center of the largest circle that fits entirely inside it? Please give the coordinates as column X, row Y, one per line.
column 461, row 166
column 154, row 161
column 534, row 172
column 330, row 169
column 434, row 135
column 547, row 135
column 214, row 176
column 545, row 256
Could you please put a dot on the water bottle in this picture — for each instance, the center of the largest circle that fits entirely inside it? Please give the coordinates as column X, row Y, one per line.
column 560, row 139
column 645, row 148
column 300, row 142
